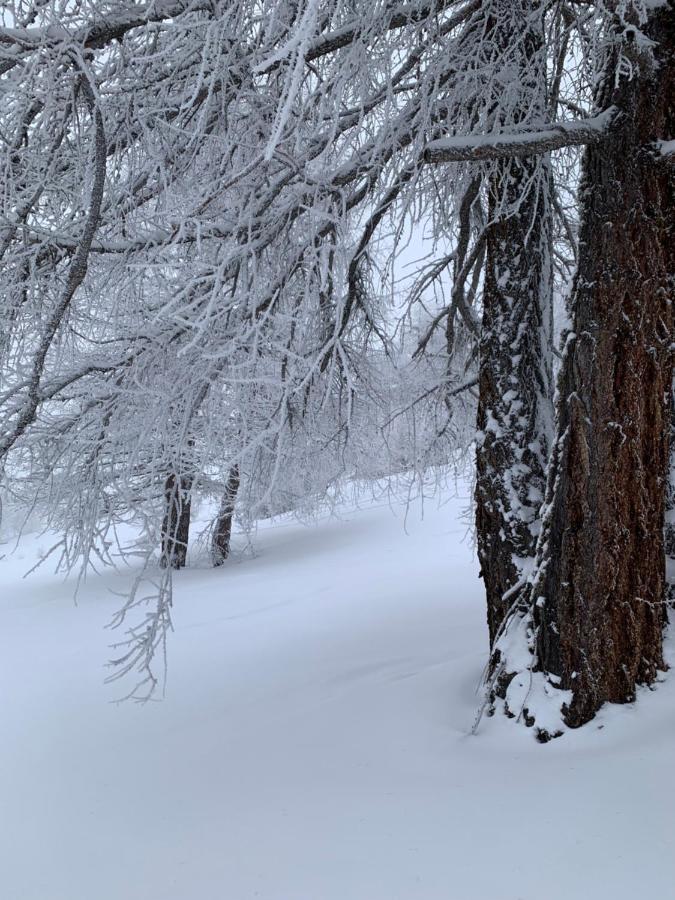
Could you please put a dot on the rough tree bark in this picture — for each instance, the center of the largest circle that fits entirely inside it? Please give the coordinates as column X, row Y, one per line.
column 598, row 598
column 222, row 530
column 514, row 408
column 669, row 530
column 176, row 523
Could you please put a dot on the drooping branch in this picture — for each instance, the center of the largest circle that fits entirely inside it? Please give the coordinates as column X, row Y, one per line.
column 76, row 274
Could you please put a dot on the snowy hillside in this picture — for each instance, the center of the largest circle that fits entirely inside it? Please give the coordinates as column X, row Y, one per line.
column 314, row 741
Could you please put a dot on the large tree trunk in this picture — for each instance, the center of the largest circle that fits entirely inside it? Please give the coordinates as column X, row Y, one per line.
column 598, row 599
column 515, row 408
column 222, row 530
column 176, row 522
column 669, row 530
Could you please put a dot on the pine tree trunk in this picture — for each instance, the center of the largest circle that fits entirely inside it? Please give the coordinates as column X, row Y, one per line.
column 222, row 531
column 514, row 408
column 669, row 530
column 176, row 523
column 599, row 596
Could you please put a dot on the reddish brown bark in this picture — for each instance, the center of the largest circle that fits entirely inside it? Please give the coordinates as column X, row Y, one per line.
column 669, row 530
column 601, row 588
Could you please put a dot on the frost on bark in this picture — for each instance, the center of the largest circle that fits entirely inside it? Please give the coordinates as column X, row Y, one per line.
column 222, row 530
column 597, row 603
column 514, row 400
column 176, row 523
column 514, row 409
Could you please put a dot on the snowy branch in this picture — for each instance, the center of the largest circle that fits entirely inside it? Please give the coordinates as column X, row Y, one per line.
column 511, row 145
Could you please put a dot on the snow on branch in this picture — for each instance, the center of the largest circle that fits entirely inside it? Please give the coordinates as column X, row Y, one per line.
column 397, row 18
column 96, row 34
column 507, row 146
column 76, row 274
column 400, row 17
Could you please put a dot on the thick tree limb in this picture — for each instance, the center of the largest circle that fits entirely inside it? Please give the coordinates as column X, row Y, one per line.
column 98, row 34
column 93, row 35
column 463, row 148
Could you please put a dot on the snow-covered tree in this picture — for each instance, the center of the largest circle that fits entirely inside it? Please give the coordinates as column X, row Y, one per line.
column 202, row 207
column 589, row 626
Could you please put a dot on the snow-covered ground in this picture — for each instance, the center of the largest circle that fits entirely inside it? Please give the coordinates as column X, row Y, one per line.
column 314, row 741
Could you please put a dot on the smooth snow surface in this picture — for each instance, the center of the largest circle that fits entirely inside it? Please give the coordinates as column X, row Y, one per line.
column 313, row 743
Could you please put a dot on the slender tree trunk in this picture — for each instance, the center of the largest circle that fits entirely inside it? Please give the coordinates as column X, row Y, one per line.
column 176, row 523
column 598, row 599
column 222, row 531
column 514, row 408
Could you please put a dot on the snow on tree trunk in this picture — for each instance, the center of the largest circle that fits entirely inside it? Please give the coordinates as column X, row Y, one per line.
column 222, row 531
column 176, row 523
column 597, row 603
column 514, row 409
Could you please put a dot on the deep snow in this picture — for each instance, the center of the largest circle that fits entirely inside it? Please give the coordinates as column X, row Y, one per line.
column 314, row 741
